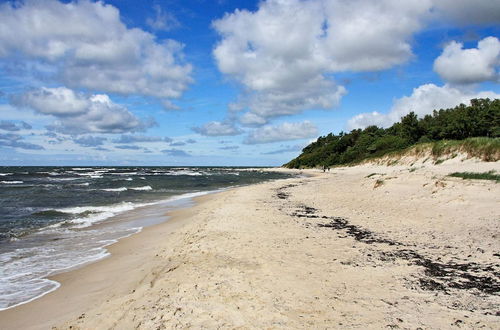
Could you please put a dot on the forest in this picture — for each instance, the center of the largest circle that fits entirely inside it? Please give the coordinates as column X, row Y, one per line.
column 480, row 119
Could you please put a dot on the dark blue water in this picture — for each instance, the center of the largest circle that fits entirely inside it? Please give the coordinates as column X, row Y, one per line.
column 54, row 218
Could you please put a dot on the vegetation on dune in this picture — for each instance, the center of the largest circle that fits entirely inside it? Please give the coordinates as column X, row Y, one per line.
column 473, row 129
column 477, row 176
column 481, row 147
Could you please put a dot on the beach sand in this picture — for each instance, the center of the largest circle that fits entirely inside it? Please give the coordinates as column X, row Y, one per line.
column 369, row 246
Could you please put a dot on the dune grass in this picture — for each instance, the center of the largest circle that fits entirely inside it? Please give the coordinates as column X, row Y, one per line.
column 487, row 149
column 477, row 176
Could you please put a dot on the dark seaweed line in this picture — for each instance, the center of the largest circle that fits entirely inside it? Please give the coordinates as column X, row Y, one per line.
column 283, row 195
column 439, row 276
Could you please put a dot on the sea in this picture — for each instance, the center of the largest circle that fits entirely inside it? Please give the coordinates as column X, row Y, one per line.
column 54, row 219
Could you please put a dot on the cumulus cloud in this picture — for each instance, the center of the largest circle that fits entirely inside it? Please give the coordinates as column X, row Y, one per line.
column 59, row 101
column 217, row 128
column 463, row 66
column 127, row 138
column 16, row 141
column 176, row 153
column 79, row 113
column 90, row 141
column 252, row 119
column 283, row 132
column 88, row 46
column 283, row 53
column 315, row 93
column 178, row 144
column 422, row 101
column 12, row 126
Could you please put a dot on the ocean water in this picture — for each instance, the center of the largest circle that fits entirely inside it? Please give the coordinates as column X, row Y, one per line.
column 56, row 218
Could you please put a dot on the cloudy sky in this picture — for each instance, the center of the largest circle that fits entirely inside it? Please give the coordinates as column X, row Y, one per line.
column 227, row 82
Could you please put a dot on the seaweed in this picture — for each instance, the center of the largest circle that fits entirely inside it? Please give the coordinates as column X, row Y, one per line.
column 283, row 195
column 357, row 232
column 438, row 276
column 443, row 276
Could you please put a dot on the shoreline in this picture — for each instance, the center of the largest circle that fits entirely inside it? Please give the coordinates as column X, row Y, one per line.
column 177, row 213
column 130, row 222
column 62, row 303
column 328, row 250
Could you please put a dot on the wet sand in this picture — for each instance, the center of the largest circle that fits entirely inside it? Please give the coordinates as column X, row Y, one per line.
column 369, row 246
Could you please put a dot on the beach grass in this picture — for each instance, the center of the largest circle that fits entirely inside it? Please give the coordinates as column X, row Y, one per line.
column 484, row 148
column 477, row 176
column 487, row 149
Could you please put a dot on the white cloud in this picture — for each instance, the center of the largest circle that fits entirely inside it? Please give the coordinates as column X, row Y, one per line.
column 422, row 101
column 317, row 93
column 88, row 46
column 79, row 113
column 283, row 132
column 365, row 35
column 163, row 21
column 463, row 66
column 369, row 118
column 217, row 128
column 252, row 119
column 59, row 101
column 283, row 52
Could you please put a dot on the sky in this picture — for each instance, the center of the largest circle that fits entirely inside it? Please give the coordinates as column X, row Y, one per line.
column 228, row 82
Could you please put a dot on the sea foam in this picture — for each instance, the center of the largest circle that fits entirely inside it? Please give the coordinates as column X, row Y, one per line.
column 115, row 189
column 142, row 188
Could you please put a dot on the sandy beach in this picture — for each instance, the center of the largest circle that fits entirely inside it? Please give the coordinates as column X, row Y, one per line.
column 370, row 246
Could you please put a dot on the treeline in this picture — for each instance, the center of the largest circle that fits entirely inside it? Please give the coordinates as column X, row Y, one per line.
column 481, row 118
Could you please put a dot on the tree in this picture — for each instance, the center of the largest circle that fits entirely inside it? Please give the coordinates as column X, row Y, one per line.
column 481, row 118
column 410, row 128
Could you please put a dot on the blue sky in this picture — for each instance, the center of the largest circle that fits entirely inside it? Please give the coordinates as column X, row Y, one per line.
column 199, row 82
